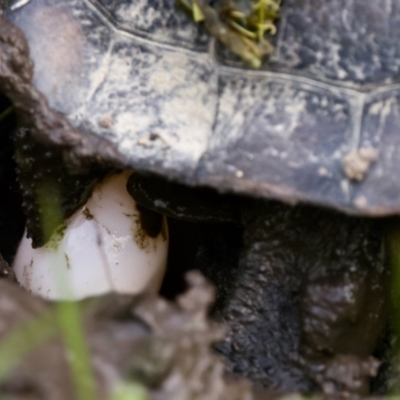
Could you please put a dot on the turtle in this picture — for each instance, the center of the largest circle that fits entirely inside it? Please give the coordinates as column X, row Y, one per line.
column 289, row 161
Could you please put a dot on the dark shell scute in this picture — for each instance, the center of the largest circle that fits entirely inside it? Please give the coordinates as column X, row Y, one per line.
column 152, row 122
column 62, row 66
column 290, row 134
column 160, row 21
column 344, row 40
column 114, row 85
column 354, row 42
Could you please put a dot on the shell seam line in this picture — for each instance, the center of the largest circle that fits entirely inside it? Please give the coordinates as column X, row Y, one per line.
column 326, row 84
column 109, row 19
column 323, row 83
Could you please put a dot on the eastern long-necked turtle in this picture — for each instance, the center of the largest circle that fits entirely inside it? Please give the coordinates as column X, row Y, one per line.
column 137, row 84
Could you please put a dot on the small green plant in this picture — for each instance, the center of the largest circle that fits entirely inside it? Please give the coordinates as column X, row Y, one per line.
column 241, row 25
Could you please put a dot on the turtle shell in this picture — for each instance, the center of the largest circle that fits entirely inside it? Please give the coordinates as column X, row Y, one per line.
column 318, row 122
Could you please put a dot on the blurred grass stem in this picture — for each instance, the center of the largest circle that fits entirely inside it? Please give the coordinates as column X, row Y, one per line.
column 69, row 314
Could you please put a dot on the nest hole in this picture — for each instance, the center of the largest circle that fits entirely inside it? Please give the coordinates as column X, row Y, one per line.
column 12, row 220
column 212, row 248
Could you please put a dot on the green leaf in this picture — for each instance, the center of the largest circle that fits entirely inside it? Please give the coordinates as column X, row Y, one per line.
column 198, row 15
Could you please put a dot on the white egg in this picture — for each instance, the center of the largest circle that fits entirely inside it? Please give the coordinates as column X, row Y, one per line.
column 103, row 248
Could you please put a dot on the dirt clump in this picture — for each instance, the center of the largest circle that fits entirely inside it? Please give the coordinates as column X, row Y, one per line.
column 164, row 346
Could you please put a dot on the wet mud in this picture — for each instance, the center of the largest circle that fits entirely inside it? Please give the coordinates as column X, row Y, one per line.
column 163, row 346
column 310, row 301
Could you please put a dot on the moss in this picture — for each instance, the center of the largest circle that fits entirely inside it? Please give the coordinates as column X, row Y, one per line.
column 241, row 25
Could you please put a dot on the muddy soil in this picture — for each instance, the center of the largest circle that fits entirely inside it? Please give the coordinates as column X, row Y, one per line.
column 161, row 345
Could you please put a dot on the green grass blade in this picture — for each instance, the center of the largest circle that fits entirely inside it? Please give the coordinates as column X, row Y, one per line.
column 69, row 316
column 70, row 322
column 130, row 391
